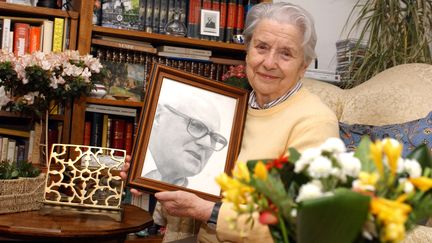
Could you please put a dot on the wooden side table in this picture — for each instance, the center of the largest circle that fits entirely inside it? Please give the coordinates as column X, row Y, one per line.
column 72, row 226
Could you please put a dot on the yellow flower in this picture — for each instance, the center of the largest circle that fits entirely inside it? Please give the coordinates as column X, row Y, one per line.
column 376, row 150
column 260, row 171
column 368, row 178
column 393, row 232
column 392, row 150
column 422, row 183
column 241, row 172
column 235, row 191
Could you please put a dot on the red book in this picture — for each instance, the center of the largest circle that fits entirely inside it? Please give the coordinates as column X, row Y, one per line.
column 117, row 134
column 52, row 138
column 194, row 18
column 21, row 38
column 223, row 20
column 129, row 137
column 239, row 25
column 34, row 39
column 87, row 132
column 231, row 20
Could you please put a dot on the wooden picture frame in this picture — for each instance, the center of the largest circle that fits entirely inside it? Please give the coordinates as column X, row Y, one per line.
column 185, row 122
column 210, row 22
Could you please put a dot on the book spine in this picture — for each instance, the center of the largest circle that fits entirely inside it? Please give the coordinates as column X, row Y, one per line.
column 5, row 144
column 87, row 133
column 104, row 130
column 223, row 19
column 31, row 143
column 142, row 13
column 34, row 39
column 124, row 46
column 156, row 13
column 21, row 38
column 58, row 35
column 185, row 56
column 193, row 18
column 216, row 7
column 149, row 16
column 96, row 129
column 182, row 50
column 117, row 134
column 47, row 36
column 129, row 137
column 206, row 4
column 11, row 150
column 163, row 16
column 5, row 34
column 231, row 19
column 239, row 23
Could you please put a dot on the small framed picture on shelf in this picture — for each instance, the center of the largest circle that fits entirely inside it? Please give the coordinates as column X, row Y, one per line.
column 189, row 133
column 209, row 22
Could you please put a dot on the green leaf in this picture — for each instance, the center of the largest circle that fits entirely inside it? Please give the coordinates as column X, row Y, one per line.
column 422, row 155
column 336, row 219
column 294, row 155
column 363, row 154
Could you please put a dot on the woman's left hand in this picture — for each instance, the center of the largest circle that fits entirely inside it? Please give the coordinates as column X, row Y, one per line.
column 185, row 204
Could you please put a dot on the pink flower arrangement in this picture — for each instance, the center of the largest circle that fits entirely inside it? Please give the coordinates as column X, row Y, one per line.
column 31, row 81
column 236, row 76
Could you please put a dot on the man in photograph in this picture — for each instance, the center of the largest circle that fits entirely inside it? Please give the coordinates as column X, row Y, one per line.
column 184, row 136
column 210, row 22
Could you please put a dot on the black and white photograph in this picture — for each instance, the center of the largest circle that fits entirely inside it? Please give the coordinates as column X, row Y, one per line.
column 209, row 22
column 189, row 135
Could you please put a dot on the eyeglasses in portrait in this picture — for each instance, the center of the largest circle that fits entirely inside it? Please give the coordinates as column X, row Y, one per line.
column 189, row 133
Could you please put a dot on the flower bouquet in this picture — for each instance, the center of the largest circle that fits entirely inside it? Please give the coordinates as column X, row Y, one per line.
column 328, row 195
column 236, row 76
column 30, row 82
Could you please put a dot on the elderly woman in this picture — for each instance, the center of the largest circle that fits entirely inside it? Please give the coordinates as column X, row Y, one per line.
column 280, row 40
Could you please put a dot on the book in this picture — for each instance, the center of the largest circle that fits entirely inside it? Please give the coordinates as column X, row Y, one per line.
column 11, row 150
column 124, row 45
column 206, row 4
column 193, row 18
column 163, row 15
column 34, row 39
column 117, row 134
column 148, row 25
column 31, row 142
column 185, row 56
column 156, row 13
column 182, row 50
column 21, row 38
column 104, row 130
column 96, row 120
column 5, row 34
column 216, row 7
column 47, row 36
column 128, row 139
column 58, row 35
column 5, row 143
column 227, row 61
column 87, row 131
column 231, row 20
column 239, row 22
column 223, row 19
column 111, row 110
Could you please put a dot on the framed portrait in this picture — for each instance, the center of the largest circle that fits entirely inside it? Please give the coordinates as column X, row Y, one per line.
column 209, row 22
column 189, row 132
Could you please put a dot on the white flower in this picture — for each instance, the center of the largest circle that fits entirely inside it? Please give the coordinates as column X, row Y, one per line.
column 294, row 212
column 310, row 190
column 408, row 187
column 306, row 158
column 321, row 167
column 412, row 167
column 350, row 165
column 4, row 98
column 333, row 145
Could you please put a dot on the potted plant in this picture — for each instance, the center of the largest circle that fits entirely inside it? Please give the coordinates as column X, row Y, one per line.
column 395, row 31
column 21, row 187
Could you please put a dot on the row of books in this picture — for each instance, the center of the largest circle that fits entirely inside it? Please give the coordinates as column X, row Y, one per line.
column 14, row 149
column 110, row 126
column 214, row 68
column 26, row 35
column 153, row 15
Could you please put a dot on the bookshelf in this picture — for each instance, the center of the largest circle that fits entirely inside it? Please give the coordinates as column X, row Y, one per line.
column 86, row 40
column 63, row 120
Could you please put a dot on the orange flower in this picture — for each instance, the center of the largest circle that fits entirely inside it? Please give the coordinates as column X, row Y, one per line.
column 268, row 217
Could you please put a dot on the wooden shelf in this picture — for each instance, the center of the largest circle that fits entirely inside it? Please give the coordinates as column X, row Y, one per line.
column 14, row 114
column 16, row 133
column 39, row 11
column 168, row 39
column 124, row 103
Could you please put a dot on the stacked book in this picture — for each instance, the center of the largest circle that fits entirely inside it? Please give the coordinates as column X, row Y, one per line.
column 346, row 56
column 323, row 75
column 175, row 52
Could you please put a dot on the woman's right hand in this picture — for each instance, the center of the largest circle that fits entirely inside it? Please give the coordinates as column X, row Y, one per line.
column 124, row 174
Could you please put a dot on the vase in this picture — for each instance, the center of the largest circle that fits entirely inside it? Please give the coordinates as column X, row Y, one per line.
column 99, row 91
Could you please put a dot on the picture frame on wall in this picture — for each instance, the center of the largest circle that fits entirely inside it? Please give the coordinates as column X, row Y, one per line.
column 189, row 133
column 210, row 22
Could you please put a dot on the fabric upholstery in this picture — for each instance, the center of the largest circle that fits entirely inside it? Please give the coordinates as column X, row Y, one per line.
column 411, row 134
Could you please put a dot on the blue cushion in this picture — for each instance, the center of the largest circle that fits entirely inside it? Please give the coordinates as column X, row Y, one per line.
column 410, row 134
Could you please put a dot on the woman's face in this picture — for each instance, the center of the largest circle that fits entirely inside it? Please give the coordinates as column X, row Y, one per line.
column 275, row 60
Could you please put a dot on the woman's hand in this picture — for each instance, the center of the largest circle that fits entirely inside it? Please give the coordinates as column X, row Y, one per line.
column 124, row 174
column 185, row 204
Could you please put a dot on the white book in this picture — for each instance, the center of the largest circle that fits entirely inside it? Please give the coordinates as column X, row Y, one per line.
column 182, row 50
column 5, row 34
column 113, row 110
column 184, row 56
column 5, row 144
column 47, row 36
column 11, row 150
column 11, row 38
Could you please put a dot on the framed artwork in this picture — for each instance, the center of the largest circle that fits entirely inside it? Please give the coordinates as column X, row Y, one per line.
column 189, row 133
column 210, row 22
